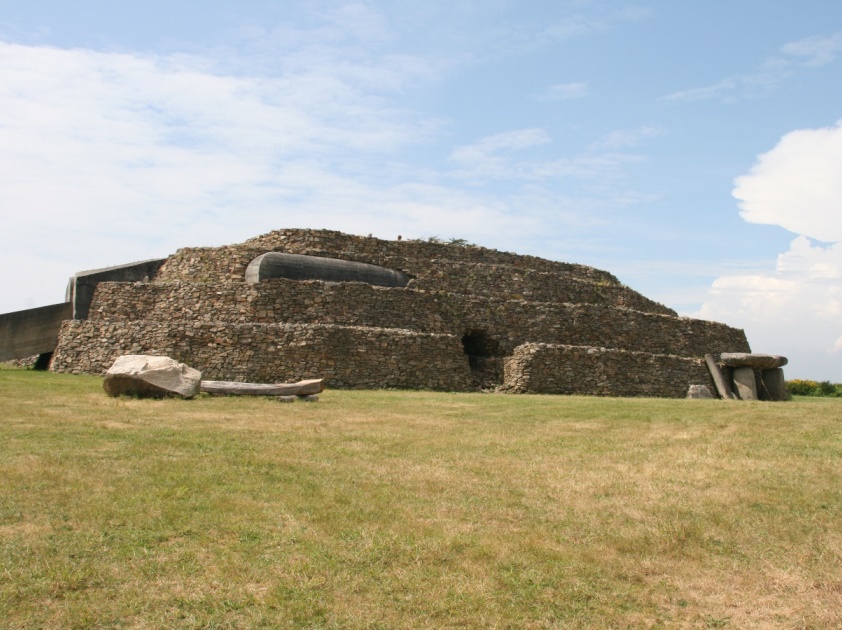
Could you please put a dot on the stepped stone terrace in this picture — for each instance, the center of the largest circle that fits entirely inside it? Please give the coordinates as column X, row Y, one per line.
column 362, row 312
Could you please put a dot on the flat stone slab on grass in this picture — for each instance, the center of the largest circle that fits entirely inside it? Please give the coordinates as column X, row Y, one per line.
column 151, row 377
column 233, row 388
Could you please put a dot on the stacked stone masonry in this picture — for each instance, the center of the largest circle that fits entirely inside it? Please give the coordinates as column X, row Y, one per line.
column 562, row 369
column 345, row 356
column 470, row 318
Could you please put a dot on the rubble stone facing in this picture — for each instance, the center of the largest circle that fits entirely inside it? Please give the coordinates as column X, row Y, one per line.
column 345, row 356
column 524, row 312
column 416, row 258
column 561, row 369
column 358, row 304
column 478, row 272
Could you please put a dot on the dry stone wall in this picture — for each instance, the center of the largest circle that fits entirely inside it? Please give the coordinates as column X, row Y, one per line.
column 469, row 318
column 510, row 283
column 508, row 322
column 412, row 257
column 557, row 369
column 345, row 356
column 422, row 254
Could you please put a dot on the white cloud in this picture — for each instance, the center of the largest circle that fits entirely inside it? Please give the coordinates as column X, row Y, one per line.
column 499, row 156
column 626, row 138
column 808, row 52
column 797, row 185
column 600, row 18
column 794, row 309
column 564, row 92
column 507, row 141
column 818, row 51
column 812, row 263
column 111, row 157
column 490, row 157
column 107, row 158
column 704, row 93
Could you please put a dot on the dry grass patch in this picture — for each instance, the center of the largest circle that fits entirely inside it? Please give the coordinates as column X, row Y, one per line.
column 412, row 509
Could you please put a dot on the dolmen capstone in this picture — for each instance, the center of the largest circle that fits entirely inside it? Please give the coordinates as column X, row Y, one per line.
column 151, row 377
column 756, row 361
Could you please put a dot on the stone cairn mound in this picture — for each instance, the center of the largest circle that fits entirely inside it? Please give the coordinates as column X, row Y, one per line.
column 362, row 312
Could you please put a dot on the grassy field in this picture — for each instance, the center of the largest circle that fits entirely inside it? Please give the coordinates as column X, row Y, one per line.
column 415, row 510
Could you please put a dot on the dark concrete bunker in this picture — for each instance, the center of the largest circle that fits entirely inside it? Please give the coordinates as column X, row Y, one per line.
column 303, row 267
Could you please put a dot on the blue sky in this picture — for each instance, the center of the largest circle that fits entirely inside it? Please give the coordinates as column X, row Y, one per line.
column 693, row 149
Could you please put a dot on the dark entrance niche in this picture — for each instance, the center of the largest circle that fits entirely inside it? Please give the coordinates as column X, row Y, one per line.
column 477, row 343
column 484, row 357
column 43, row 361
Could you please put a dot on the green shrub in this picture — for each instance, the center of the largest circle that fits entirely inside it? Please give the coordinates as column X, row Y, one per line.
column 826, row 388
column 801, row 387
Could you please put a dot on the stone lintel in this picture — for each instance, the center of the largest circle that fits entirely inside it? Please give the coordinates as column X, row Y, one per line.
column 756, row 361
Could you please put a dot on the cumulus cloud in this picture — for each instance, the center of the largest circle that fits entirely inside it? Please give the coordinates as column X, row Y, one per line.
column 797, row 185
column 795, row 308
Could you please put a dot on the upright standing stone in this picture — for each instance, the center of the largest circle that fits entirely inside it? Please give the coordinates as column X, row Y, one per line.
column 746, row 383
column 775, row 384
column 718, row 379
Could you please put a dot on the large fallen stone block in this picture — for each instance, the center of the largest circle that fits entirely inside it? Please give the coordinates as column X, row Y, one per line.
column 699, row 392
column 151, row 377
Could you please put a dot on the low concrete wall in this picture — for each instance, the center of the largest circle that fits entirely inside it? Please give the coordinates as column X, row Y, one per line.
column 81, row 288
column 31, row 331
